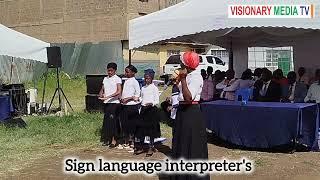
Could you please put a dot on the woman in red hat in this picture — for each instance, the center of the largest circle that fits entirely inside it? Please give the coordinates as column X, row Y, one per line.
column 189, row 132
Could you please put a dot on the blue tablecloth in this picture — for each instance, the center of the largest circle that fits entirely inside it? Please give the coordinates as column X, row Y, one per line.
column 5, row 108
column 263, row 125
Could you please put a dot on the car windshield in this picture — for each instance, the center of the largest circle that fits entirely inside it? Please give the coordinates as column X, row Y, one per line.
column 174, row 59
column 219, row 61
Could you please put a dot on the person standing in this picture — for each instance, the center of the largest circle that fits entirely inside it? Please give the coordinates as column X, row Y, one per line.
column 189, row 132
column 148, row 125
column 109, row 93
column 303, row 77
column 130, row 101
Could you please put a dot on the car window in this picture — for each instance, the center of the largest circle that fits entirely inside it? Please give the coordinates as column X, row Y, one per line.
column 218, row 61
column 210, row 59
column 174, row 59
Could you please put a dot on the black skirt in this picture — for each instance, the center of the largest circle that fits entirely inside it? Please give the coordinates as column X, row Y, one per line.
column 110, row 126
column 189, row 138
column 129, row 117
column 148, row 124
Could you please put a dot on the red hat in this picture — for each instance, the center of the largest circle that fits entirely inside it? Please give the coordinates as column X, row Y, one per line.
column 190, row 59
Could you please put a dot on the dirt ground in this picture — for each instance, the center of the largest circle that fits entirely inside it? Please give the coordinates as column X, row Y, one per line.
column 268, row 165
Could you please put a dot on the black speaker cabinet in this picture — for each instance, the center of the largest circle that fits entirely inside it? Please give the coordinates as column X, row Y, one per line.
column 18, row 97
column 54, row 57
column 94, row 83
column 93, row 104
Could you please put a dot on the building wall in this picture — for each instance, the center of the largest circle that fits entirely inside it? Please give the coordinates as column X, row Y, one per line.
column 67, row 21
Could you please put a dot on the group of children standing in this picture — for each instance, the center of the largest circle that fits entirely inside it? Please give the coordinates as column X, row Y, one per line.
column 130, row 113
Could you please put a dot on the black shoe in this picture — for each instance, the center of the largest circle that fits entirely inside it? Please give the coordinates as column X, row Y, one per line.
column 149, row 153
column 105, row 144
column 138, row 151
column 111, row 146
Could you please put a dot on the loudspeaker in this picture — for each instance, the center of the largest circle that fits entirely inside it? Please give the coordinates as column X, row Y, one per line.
column 94, row 83
column 54, row 57
column 93, row 104
column 18, row 97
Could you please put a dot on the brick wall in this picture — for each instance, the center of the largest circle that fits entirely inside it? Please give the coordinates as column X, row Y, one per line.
column 63, row 21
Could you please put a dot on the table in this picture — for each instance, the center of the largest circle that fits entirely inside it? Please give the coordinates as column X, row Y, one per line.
column 263, row 125
column 5, row 107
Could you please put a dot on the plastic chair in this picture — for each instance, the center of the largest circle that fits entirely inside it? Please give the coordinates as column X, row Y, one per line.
column 245, row 94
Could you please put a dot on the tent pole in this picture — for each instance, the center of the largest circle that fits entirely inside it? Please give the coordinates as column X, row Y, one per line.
column 130, row 56
column 231, row 56
column 11, row 70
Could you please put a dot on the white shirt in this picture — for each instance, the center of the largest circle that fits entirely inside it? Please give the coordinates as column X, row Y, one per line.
column 131, row 88
column 240, row 84
column 194, row 84
column 110, row 87
column 313, row 93
column 264, row 89
column 150, row 94
column 293, row 88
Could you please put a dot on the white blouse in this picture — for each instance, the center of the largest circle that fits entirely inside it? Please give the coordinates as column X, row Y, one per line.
column 313, row 93
column 110, row 87
column 150, row 94
column 131, row 88
column 194, row 84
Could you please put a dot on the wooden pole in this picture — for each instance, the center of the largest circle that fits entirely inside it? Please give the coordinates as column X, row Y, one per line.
column 231, row 56
column 130, row 57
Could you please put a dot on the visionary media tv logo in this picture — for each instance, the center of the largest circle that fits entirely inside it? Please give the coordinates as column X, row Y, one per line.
column 271, row 11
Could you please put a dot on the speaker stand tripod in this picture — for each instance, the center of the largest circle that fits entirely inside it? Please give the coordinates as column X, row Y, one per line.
column 60, row 92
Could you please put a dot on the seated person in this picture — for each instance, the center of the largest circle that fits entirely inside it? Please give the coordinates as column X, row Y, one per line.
column 207, row 90
column 313, row 94
column 303, row 78
column 218, row 78
column 280, row 79
column 296, row 91
column 210, row 76
column 266, row 90
column 257, row 74
column 245, row 82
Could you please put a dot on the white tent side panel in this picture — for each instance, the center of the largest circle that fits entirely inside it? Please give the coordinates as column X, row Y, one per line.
column 16, row 44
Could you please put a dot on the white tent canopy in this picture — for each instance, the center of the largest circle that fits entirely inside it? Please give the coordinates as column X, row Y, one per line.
column 206, row 20
column 16, row 44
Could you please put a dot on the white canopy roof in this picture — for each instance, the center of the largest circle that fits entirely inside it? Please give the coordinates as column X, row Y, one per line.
column 205, row 20
column 16, row 44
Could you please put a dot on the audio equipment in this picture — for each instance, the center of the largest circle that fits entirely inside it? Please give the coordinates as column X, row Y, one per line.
column 54, row 57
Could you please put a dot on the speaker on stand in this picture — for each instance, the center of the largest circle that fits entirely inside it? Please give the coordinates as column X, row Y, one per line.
column 54, row 61
column 94, row 83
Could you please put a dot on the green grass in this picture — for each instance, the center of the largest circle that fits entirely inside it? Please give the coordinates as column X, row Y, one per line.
column 74, row 89
column 47, row 136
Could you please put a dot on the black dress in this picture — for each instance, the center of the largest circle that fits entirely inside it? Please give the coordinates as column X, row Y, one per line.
column 189, row 138
column 148, row 124
column 129, row 117
column 110, row 126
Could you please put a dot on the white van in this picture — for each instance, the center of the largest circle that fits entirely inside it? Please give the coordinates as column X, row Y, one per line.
column 216, row 63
